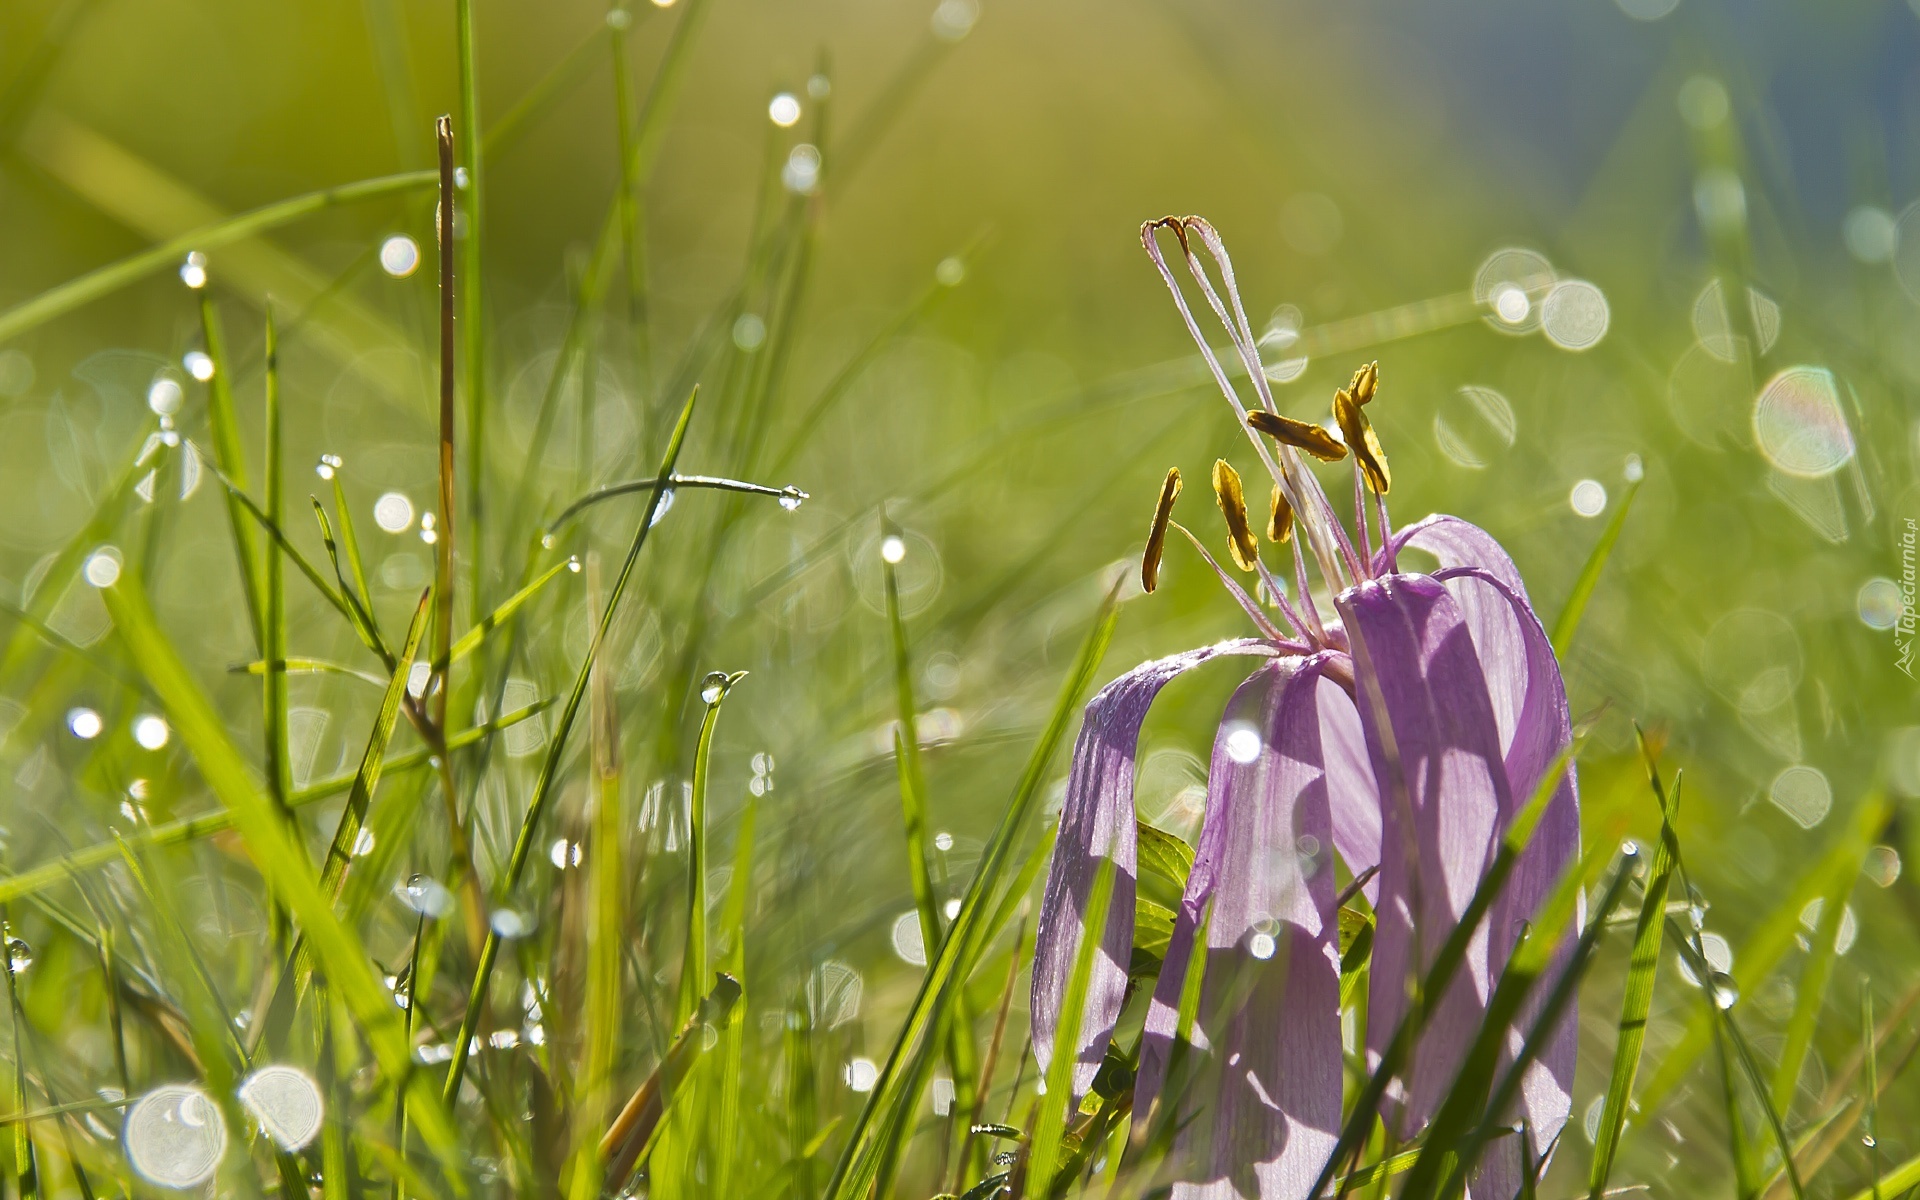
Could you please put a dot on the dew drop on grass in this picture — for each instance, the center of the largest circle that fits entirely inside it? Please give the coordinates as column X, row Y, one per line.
column 103, row 567
column 19, row 955
column 1718, row 953
column 150, row 731
column 164, row 396
column 193, row 272
column 287, row 1104
column 1588, row 498
column 952, row 909
column 861, row 1074
column 713, row 687
column 1726, row 993
column 425, row 895
column 784, row 110
column 393, row 512
column 363, row 843
column 943, row 841
column 660, row 510
column 791, row 498
column 175, row 1136
column 893, row 548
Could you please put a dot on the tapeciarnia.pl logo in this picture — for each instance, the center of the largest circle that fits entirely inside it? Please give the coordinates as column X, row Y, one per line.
column 1903, row 629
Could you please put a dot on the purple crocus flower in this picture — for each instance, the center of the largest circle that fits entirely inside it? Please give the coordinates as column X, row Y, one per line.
column 1401, row 732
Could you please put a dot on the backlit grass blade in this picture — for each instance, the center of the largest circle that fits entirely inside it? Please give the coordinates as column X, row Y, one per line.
column 1050, row 1120
column 1642, row 967
column 333, row 872
column 284, row 867
column 350, row 542
column 1359, row 1121
column 103, row 281
column 550, row 764
column 359, row 611
column 1568, row 622
column 224, row 424
column 471, row 640
column 693, row 962
column 188, row 829
column 634, row 1130
column 860, row 1160
column 1811, row 996
column 1530, row 961
column 472, row 203
column 906, row 752
column 1769, row 942
column 1871, row 1121
column 274, row 593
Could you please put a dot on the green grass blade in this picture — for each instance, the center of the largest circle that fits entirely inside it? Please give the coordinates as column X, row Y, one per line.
column 693, row 962
column 187, row 829
column 472, row 323
column 1447, row 960
column 471, row 640
column 224, row 424
column 350, row 542
column 1769, row 942
column 1870, row 1118
column 1568, row 622
column 556, row 747
column 274, row 597
column 906, row 751
column 282, row 864
column 1811, row 995
column 1642, row 967
column 359, row 611
column 103, row 281
column 860, row 1160
column 1050, row 1121
column 372, row 761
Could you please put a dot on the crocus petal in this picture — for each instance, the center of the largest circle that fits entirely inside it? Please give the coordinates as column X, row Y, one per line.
column 1261, row 1112
column 1096, row 823
column 1351, row 790
column 1435, row 748
column 1536, row 694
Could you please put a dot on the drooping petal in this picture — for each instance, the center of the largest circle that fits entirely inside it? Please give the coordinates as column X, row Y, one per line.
column 1537, row 696
column 1352, row 792
column 1096, row 823
column 1259, row 1106
column 1435, row 748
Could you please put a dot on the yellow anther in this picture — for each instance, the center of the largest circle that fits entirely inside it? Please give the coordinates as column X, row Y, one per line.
column 1304, row 435
column 1157, row 536
column 1355, row 427
column 1280, row 518
column 1365, row 382
column 1241, row 543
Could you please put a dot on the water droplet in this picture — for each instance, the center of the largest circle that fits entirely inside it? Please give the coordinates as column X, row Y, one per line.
column 893, row 548
column 861, row 1074
column 784, row 110
column 954, row 19
column 287, row 1103
column 619, row 18
column 460, row 178
column 1634, row 470
column 714, row 686
column 1718, row 953
column 909, row 941
column 1574, row 315
column 85, row 724
column 103, row 567
column 1588, row 498
column 426, row 896
column 164, row 396
column 419, row 675
column 1867, row 1141
column 1726, row 993
column 665, row 506
column 175, row 1136
column 564, row 853
column 951, row 271
column 363, row 843
column 952, row 909
column 193, row 272
column 393, row 512
column 1697, row 917
column 1261, row 945
column 943, row 841
column 573, row 564
column 150, row 731
column 942, row 1096
column 19, row 955
column 791, row 498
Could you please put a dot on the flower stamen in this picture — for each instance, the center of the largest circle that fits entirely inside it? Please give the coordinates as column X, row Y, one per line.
column 1304, row 435
column 1361, row 439
column 1241, row 543
column 1157, row 535
column 1279, row 517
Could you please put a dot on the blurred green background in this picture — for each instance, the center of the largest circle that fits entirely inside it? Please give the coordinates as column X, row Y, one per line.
column 923, row 294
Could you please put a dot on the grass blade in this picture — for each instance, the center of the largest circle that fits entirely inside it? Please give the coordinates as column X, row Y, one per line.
column 1642, row 967
column 1568, row 622
column 102, row 281
column 1050, row 1121
column 693, row 963
column 281, row 862
column 472, row 315
column 859, row 1161
column 274, row 599
column 223, row 421
column 1811, row 995
column 550, row 765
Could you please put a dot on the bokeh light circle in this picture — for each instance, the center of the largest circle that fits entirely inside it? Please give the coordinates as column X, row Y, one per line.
column 1878, row 603
column 175, row 1136
column 1798, row 425
column 1511, row 283
column 1574, row 316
